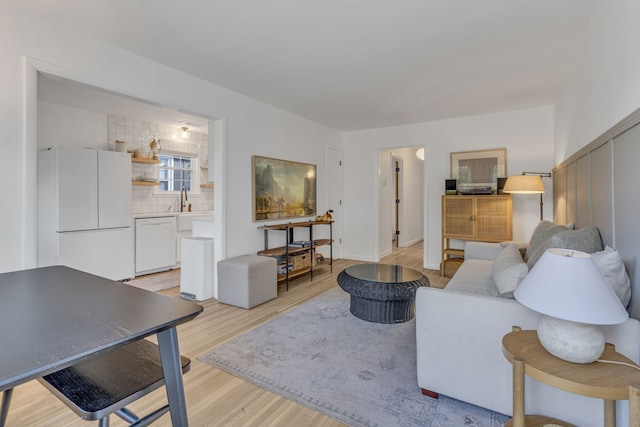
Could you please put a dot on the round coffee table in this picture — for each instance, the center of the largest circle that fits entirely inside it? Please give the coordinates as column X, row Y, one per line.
column 382, row 293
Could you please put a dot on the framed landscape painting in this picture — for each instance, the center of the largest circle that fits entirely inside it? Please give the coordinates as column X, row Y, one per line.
column 282, row 189
column 478, row 171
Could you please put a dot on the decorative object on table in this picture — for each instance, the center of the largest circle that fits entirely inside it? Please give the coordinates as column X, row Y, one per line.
column 360, row 373
column 121, row 146
column 477, row 172
column 325, row 217
column 282, row 189
column 527, row 183
column 450, row 187
column 154, row 149
column 574, row 299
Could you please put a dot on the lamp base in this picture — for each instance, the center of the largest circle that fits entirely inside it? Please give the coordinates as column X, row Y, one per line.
column 571, row 341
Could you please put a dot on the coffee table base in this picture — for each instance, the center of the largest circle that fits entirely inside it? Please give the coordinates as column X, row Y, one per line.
column 393, row 311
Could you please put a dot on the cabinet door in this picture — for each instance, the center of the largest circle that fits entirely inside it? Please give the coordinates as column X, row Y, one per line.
column 77, row 192
column 114, row 189
column 493, row 218
column 458, row 217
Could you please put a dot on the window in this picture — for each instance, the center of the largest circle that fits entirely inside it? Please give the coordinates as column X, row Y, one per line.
column 176, row 172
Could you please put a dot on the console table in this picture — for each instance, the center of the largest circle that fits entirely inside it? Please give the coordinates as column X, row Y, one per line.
column 289, row 250
column 606, row 381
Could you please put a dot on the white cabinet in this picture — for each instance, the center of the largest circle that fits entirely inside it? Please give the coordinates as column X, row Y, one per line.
column 84, row 211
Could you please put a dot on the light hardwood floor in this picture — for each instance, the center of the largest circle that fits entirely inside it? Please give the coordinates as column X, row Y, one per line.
column 215, row 398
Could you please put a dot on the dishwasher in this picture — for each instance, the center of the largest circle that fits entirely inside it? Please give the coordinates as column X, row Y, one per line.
column 155, row 244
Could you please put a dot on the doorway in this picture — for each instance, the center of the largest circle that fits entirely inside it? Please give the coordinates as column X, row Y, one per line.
column 216, row 143
column 401, row 199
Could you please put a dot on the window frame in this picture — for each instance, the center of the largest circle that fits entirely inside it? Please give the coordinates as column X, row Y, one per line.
column 195, row 176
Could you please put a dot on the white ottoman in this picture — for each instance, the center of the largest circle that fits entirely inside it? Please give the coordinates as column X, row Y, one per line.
column 247, row 280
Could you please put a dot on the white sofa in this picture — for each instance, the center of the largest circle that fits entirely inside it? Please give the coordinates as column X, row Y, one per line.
column 459, row 333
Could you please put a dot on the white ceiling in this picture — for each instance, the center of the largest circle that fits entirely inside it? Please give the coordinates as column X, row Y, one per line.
column 351, row 64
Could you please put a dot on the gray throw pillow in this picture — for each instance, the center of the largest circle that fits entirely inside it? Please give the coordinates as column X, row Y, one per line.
column 586, row 239
column 541, row 235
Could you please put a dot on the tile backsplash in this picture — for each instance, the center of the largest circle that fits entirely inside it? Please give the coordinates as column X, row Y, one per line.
column 138, row 134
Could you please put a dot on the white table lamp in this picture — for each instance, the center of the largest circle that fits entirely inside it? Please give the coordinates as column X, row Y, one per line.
column 574, row 299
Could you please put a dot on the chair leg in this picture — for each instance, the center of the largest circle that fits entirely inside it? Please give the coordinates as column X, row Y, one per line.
column 104, row 422
column 4, row 407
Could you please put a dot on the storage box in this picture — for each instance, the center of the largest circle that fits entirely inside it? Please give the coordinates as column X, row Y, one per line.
column 300, row 261
column 451, row 266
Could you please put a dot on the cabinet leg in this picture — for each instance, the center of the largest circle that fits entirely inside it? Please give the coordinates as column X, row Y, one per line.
column 518, row 393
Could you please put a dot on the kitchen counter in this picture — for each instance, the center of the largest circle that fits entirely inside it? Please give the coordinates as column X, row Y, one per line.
column 163, row 214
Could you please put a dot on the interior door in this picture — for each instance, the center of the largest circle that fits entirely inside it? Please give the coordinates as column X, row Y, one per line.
column 334, row 197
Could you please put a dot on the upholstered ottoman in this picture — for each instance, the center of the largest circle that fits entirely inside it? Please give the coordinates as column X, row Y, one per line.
column 247, row 280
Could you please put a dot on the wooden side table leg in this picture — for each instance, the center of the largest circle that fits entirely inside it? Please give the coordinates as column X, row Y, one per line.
column 634, row 406
column 518, row 393
column 609, row 413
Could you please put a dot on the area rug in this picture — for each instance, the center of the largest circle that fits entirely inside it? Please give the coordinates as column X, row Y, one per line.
column 360, row 373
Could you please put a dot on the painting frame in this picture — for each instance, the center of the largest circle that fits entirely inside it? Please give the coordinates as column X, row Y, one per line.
column 478, row 170
column 282, row 189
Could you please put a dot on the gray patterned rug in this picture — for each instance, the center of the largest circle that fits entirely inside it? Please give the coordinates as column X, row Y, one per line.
column 363, row 374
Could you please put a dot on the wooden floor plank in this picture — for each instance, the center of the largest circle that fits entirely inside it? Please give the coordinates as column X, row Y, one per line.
column 215, row 398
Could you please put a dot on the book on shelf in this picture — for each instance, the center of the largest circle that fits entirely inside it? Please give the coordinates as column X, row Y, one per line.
column 300, row 244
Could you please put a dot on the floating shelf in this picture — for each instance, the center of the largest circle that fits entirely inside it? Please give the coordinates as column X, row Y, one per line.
column 147, row 183
column 143, row 160
column 209, row 185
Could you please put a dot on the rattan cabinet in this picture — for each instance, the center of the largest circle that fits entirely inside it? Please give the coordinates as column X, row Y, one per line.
column 481, row 218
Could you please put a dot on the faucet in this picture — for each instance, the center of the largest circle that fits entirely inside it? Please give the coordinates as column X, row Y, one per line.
column 182, row 201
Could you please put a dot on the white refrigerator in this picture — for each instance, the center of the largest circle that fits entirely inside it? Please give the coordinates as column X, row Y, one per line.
column 84, row 211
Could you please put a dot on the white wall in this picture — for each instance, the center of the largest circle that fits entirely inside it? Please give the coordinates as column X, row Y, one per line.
column 526, row 134
column 605, row 84
column 252, row 127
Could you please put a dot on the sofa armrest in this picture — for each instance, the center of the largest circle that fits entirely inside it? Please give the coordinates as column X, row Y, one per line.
column 481, row 250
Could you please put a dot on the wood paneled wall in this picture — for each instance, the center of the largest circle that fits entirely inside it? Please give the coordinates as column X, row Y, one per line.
column 597, row 186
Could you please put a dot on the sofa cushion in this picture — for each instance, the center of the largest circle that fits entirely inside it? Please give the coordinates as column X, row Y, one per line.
column 612, row 268
column 508, row 270
column 541, row 235
column 474, row 277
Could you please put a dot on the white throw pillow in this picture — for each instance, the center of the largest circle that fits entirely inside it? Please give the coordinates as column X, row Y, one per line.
column 612, row 268
column 508, row 270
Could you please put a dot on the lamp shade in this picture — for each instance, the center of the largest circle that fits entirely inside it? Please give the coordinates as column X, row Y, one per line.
column 524, row 184
column 568, row 285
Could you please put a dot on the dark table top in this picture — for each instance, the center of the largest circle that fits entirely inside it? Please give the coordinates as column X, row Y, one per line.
column 383, row 273
column 52, row 317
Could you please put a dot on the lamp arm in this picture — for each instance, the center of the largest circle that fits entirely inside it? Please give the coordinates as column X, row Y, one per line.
column 542, row 174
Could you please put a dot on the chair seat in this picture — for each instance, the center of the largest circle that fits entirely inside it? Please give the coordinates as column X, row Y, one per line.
column 104, row 384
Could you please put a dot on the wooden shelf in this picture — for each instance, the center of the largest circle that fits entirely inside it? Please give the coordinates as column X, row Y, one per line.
column 145, row 183
column 144, row 160
column 282, row 250
column 208, row 185
column 456, row 252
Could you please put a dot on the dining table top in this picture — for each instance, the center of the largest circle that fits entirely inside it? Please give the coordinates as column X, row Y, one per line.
column 53, row 317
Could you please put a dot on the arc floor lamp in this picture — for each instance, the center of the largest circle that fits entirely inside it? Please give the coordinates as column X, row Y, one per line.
column 527, row 183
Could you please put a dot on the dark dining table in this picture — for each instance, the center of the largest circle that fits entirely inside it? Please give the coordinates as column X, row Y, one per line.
column 54, row 317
